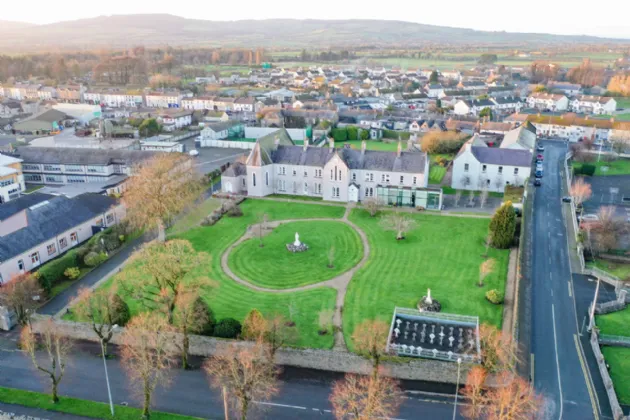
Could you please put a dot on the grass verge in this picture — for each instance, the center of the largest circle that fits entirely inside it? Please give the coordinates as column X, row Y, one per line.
column 618, row 358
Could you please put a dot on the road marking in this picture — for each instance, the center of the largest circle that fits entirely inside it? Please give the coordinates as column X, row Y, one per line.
column 583, row 324
column 531, row 357
column 555, row 344
column 570, row 293
column 586, row 378
column 279, row 405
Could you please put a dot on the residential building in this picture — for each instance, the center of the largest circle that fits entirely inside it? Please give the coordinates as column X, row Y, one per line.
column 223, row 104
column 573, row 128
column 521, row 138
column 59, row 165
column 198, row 103
column 478, row 167
column 11, row 178
column 175, row 121
column 471, row 85
column 594, row 105
column 244, row 104
column 472, row 107
column 277, row 166
column 10, row 109
column 120, row 99
column 569, row 89
column 495, row 127
column 548, row 101
column 434, row 91
column 216, row 116
column 70, row 93
column 40, row 227
column 47, row 93
column 163, row 99
column 92, row 97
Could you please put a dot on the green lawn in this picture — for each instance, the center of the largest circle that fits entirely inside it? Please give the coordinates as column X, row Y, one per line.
column 451, row 191
column 79, row 407
column 619, row 360
column 32, row 188
column 617, row 167
column 616, row 323
column 442, row 253
column 371, row 145
column 619, row 270
column 230, row 299
column 623, row 102
column 275, row 267
column 436, row 174
column 194, row 216
column 295, row 197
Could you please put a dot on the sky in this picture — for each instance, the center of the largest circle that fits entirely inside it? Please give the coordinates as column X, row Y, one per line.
column 578, row 17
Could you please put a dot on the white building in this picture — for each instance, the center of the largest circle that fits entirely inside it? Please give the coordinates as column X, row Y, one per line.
column 244, row 104
column 172, row 122
column 162, row 146
column 198, row 103
column 478, row 167
column 11, row 178
column 122, row 99
column 434, row 91
column 163, row 100
column 594, row 105
column 548, row 101
column 277, row 166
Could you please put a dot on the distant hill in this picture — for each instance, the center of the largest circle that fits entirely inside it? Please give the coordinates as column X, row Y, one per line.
column 7, row 26
column 162, row 29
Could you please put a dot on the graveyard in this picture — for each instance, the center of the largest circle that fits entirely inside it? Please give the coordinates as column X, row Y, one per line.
column 441, row 253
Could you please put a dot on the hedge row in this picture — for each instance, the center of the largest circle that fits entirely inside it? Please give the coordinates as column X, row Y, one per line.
column 586, row 169
column 393, row 134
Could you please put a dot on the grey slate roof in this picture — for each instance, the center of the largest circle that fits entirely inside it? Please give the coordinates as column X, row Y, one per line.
column 77, row 156
column 15, row 206
column 497, row 156
column 295, row 155
column 58, row 216
column 236, row 169
column 216, row 127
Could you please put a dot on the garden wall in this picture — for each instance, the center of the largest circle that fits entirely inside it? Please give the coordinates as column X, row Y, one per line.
column 330, row 360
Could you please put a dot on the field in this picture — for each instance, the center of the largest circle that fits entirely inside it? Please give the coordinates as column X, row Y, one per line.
column 274, row 267
column 230, row 299
column 619, row 360
column 442, row 253
column 621, row 271
column 617, row 167
column 616, row 323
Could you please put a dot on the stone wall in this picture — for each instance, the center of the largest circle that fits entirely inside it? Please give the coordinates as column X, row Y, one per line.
column 608, row 383
column 330, row 360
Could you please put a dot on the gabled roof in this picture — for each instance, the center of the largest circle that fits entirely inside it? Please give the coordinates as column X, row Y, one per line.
column 266, row 145
column 15, row 206
column 497, row 156
column 78, row 156
column 409, row 162
column 45, row 221
column 524, row 136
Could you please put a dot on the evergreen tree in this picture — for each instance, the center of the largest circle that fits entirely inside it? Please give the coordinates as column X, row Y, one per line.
column 503, row 226
column 434, row 78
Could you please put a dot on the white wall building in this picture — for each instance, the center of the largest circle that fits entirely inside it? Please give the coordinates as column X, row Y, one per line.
column 594, row 105
column 548, row 101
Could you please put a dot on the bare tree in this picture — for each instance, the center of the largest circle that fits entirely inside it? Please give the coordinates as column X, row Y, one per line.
column 57, row 348
column 189, row 318
column 486, row 243
column 160, row 189
column 485, row 269
column 465, row 181
column 483, row 197
column 293, row 311
column 370, row 339
column 21, row 294
column 498, row 351
column 103, row 309
column 262, row 226
column 580, row 191
column 245, row 374
column 331, row 257
column 147, row 355
column 513, row 399
column 158, row 274
column 498, row 182
column 278, row 334
column 619, row 144
column 474, row 392
column 471, row 198
column 399, row 223
column 365, row 397
column 372, row 206
column 608, row 230
column 458, row 196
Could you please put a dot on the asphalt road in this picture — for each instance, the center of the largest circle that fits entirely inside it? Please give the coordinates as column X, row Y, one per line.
column 560, row 365
column 303, row 394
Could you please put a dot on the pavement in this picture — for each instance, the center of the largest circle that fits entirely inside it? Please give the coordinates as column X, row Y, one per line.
column 303, row 393
column 561, row 361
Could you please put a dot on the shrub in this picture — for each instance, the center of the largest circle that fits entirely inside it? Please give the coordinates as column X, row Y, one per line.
column 93, row 259
column 393, row 134
column 494, row 296
column 72, row 273
column 121, row 238
column 339, row 134
column 110, row 242
column 588, row 169
column 53, row 271
column 227, row 328
column 120, row 311
column 235, row 211
column 443, row 142
column 503, row 226
column 82, row 251
column 353, row 133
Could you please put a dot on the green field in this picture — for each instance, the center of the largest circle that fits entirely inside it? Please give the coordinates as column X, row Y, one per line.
column 230, row 299
column 79, row 407
column 273, row 266
column 616, row 323
column 442, row 253
column 619, row 360
column 436, row 174
column 617, row 167
column 621, row 271
column 623, row 102
column 370, row 145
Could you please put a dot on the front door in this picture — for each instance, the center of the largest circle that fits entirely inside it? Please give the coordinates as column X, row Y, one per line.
column 228, row 187
column 353, row 193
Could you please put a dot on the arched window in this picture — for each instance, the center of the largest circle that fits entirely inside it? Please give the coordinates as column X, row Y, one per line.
column 254, row 180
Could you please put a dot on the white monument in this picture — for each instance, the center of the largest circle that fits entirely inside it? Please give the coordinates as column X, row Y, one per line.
column 297, row 240
column 428, row 299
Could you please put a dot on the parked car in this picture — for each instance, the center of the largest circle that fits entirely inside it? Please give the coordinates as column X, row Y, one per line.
column 566, row 199
column 537, row 182
column 540, row 148
column 539, row 174
column 193, row 152
column 589, row 217
column 539, row 157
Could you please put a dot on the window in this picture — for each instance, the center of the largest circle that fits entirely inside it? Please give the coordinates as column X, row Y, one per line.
column 74, row 179
column 354, row 176
column 294, row 187
column 74, row 168
column 402, row 179
column 254, row 180
column 98, row 222
column 484, row 168
column 371, row 192
column 51, row 249
column 382, row 177
column 54, row 178
column 52, row 168
column 305, row 188
column 6, row 182
column 371, row 177
column 21, row 265
column 267, row 178
column 35, row 258
column 319, row 188
column 63, row 243
column 30, row 167
column 466, row 166
column 318, row 173
column 500, row 169
column 515, row 171
column 110, row 218
column 243, row 182
column 415, row 180
column 331, row 174
column 305, row 173
column 32, row 177
column 73, row 238
column 294, row 172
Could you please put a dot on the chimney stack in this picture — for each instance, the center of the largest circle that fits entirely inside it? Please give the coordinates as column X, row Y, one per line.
column 331, row 144
column 305, row 144
column 363, row 147
column 399, row 151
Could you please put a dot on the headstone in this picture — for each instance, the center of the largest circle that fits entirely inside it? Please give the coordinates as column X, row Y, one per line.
column 397, row 332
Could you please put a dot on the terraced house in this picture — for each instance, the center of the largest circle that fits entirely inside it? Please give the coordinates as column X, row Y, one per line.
column 277, row 166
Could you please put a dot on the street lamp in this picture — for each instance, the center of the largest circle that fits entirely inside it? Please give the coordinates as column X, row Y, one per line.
column 109, row 390
column 459, row 364
column 591, row 321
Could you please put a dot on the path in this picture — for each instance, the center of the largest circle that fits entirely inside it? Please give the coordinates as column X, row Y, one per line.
column 339, row 283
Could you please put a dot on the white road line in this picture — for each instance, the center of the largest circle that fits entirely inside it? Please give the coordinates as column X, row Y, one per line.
column 555, row 344
column 570, row 293
column 279, row 405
